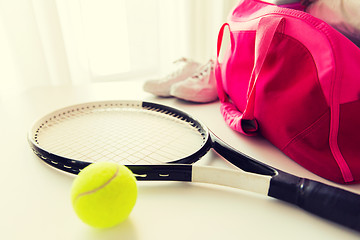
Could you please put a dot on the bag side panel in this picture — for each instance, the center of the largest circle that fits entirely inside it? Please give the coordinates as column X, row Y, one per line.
column 349, row 136
column 349, row 59
column 311, row 150
column 289, row 97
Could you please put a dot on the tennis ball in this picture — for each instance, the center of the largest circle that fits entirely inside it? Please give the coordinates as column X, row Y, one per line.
column 103, row 194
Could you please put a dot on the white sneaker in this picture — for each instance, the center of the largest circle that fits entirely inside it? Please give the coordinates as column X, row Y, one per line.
column 161, row 87
column 200, row 87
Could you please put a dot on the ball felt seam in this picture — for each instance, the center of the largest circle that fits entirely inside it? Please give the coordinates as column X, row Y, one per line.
column 98, row 188
column 104, row 194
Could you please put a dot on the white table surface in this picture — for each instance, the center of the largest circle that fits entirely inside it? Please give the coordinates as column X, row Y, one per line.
column 35, row 200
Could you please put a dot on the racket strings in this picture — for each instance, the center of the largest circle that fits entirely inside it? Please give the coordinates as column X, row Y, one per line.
column 124, row 135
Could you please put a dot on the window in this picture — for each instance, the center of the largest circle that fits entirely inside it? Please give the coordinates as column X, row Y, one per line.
column 57, row 42
column 120, row 39
column 106, row 36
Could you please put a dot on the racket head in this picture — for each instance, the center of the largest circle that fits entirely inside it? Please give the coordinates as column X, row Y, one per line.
column 126, row 132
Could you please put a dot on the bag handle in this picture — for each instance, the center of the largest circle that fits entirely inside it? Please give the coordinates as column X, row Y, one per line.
column 245, row 122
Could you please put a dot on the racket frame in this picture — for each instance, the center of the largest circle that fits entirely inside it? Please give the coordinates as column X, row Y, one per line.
column 173, row 171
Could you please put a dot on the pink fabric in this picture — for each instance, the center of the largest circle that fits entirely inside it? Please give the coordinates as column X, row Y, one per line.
column 289, row 76
column 297, row 6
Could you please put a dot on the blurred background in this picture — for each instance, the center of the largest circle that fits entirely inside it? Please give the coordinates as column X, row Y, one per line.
column 60, row 42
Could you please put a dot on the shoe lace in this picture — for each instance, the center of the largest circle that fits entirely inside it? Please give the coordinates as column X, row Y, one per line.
column 205, row 70
column 183, row 59
column 180, row 69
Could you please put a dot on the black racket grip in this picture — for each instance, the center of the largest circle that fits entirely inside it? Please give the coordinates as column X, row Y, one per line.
column 334, row 204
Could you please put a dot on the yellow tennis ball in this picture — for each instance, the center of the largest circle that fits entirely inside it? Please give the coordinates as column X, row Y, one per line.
column 103, row 194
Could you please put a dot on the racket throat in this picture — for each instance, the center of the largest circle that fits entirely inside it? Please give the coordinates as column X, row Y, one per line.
column 241, row 160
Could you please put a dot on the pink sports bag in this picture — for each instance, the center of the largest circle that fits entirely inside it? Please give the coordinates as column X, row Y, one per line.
column 295, row 80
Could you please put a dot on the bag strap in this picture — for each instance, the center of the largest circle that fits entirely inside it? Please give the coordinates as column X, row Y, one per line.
column 221, row 93
column 245, row 122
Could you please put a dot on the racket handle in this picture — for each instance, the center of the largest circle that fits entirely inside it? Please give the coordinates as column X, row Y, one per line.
column 335, row 204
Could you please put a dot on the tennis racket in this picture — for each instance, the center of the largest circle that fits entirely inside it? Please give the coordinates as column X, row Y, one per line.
column 159, row 143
